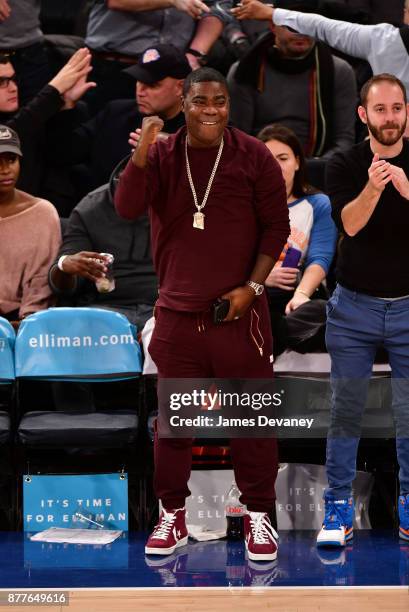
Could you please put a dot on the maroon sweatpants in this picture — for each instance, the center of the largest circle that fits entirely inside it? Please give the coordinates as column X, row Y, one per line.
column 190, row 345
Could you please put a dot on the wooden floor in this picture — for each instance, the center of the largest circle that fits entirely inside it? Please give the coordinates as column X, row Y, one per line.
column 221, row 600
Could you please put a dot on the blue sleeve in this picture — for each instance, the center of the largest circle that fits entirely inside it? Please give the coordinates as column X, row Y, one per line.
column 323, row 238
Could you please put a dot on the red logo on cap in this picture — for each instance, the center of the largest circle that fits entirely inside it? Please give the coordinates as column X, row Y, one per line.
column 151, row 55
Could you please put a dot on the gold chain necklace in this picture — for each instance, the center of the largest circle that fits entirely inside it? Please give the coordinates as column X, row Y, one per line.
column 198, row 216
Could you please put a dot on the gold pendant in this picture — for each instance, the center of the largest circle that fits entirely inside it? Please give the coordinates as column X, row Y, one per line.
column 198, row 220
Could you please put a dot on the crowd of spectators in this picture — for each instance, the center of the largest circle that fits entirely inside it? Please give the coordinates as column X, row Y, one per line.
column 80, row 108
column 74, row 125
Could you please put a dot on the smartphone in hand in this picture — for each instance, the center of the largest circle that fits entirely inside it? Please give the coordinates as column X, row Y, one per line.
column 291, row 258
column 220, row 310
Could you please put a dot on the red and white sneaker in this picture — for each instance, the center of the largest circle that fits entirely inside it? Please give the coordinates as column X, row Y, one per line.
column 169, row 533
column 260, row 537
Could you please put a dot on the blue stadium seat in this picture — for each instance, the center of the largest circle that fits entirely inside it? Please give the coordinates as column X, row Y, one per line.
column 83, row 345
column 77, row 344
column 7, row 377
column 7, row 404
column 7, row 342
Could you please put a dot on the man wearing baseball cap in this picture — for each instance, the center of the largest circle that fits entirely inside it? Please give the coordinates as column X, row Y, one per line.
column 158, row 62
column 159, row 73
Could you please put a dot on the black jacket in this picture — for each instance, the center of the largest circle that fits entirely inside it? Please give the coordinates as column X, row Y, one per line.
column 30, row 124
column 95, row 226
column 102, row 142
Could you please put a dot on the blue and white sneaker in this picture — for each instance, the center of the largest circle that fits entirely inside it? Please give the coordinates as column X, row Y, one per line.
column 404, row 517
column 337, row 527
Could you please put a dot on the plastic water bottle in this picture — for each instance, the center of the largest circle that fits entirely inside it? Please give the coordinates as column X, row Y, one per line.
column 235, row 511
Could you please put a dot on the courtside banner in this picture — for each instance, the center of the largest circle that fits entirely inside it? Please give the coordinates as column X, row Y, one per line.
column 299, row 490
column 79, row 501
column 280, row 407
column 7, row 341
column 77, row 343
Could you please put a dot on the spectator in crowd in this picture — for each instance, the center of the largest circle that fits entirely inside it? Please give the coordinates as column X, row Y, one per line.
column 159, row 74
column 94, row 228
column 235, row 40
column 22, row 42
column 310, row 248
column 225, row 252
column 30, row 238
column 41, row 116
column 290, row 79
column 329, row 8
column 119, row 31
column 238, row 36
column 369, row 192
column 384, row 46
column 31, row 121
column 311, row 244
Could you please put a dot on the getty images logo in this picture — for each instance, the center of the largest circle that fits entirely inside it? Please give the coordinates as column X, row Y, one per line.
column 215, row 399
column 203, row 400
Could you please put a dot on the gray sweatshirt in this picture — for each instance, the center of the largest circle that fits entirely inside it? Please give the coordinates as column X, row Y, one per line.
column 285, row 100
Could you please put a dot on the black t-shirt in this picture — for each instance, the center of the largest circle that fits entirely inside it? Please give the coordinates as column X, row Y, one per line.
column 375, row 260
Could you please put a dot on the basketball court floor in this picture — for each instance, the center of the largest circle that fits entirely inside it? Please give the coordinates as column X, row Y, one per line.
column 372, row 573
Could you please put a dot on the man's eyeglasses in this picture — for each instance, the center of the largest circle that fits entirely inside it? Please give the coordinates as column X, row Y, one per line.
column 5, row 81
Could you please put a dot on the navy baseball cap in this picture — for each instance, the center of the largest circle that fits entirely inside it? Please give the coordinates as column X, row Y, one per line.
column 9, row 141
column 158, row 62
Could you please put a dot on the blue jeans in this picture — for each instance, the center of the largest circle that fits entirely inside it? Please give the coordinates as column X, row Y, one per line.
column 357, row 324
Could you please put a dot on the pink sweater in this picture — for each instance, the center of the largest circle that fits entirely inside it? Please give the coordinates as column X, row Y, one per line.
column 29, row 243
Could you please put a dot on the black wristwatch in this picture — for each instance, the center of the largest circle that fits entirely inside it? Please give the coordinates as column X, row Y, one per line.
column 202, row 57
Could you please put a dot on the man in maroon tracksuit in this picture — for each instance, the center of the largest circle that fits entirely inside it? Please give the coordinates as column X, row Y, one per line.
column 219, row 219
